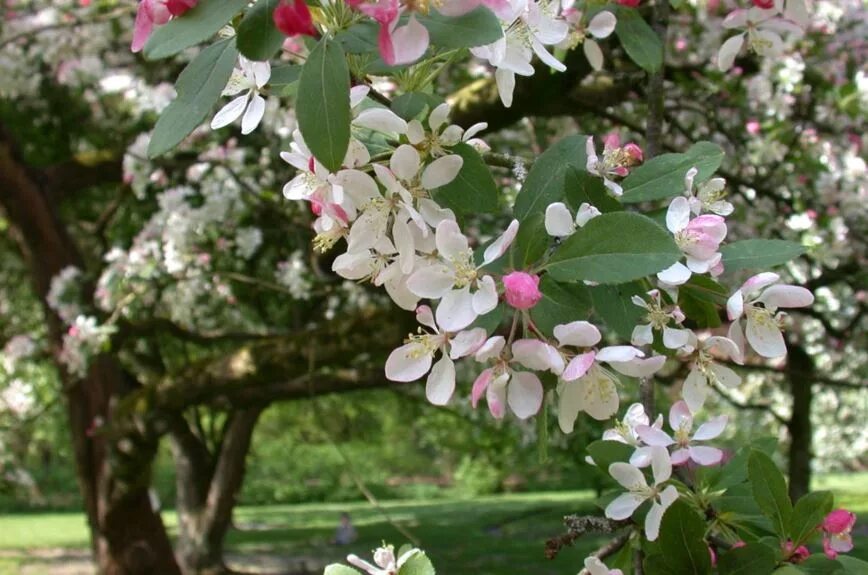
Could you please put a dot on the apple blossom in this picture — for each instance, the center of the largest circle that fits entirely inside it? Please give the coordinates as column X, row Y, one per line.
column 836, row 527
column 698, row 238
column 292, row 17
column 413, row 359
column 152, row 13
column 708, row 196
column 560, row 223
column 503, row 386
column 398, row 44
column 521, row 290
column 638, row 491
column 759, row 300
column 594, row 566
column 681, row 423
column 763, row 30
column 658, row 318
column 706, row 372
column 600, row 26
column 616, row 161
column 250, row 76
column 385, row 562
column 442, row 135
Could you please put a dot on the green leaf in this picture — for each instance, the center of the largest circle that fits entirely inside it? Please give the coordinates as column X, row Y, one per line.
column 655, row 565
column 614, row 248
column 788, row 570
column 323, row 104
column 753, row 558
column 605, row 453
column 761, row 254
column 663, row 176
column 199, row 86
column 418, row 564
column 284, row 74
column 699, row 299
column 639, row 40
column 413, row 104
column 360, row 38
column 530, row 243
column 682, row 541
column 818, row 564
column 338, row 569
column 735, row 470
column 258, row 37
column 476, row 28
column 490, row 321
column 195, row 26
column 808, row 514
column 561, row 303
column 546, row 180
column 580, row 186
column 852, row 565
column 770, row 491
column 474, row 190
column 612, row 305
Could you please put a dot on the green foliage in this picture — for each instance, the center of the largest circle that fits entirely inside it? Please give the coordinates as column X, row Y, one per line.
column 323, row 105
column 418, row 564
column 414, row 104
column 545, row 183
column 594, row 253
column 699, row 299
column 473, row 190
column 663, row 176
column 258, row 37
column 561, row 303
column 759, row 254
column 197, row 25
column 476, row 475
column 199, row 87
column 530, row 243
column 605, row 453
column 808, row 514
column 682, row 542
column 337, row 569
column 476, row 28
column 747, row 560
column 612, row 305
column 639, row 40
column 284, row 74
column 770, row 491
column 580, row 186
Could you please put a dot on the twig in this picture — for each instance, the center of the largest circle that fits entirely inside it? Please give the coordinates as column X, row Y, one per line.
column 578, row 525
column 609, row 549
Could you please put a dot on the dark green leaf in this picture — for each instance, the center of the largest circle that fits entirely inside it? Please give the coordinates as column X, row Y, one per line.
column 612, row 305
column 199, row 86
column 413, row 104
column 490, row 321
column 770, row 491
column 735, row 470
column 360, row 38
column 760, row 254
column 323, row 104
column 699, row 299
column 284, row 74
column 808, row 514
column 753, row 558
column 639, row 40
column 476, row 28
column 663, row 176
column 605, row 453
column 338, row 569
column 788, row 570
column 418, row 564
column 614, row 248
column 821, row 565
column 530, row 243
column 580, row 186
column 853, row 566
column 197, row 25
column 258, row 37
column 561, row 303
column 474, row 190
column 655, row 565
column 682, row 541
column 545, row 184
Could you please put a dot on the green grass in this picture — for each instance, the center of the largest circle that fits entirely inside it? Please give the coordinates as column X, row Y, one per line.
column 484, row 535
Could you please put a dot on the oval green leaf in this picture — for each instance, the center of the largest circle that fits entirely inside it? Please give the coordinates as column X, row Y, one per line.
column 473, row 190
column 759, row 254
column 639, row 40
column 663, row 176
column 546, row 181
column 258, row 37
column 197, row 25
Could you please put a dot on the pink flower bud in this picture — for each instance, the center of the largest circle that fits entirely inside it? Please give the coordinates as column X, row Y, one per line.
column 764, row 4
column 635, row 152
column 292, row 17
column 179, row 7
column 839, row 521
column 522, row 290
column 629, row 3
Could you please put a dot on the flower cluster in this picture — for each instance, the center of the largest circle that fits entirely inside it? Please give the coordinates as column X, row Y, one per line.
column 84, row 339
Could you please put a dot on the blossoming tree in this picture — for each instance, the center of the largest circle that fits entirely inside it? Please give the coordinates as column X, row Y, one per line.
column 603, row 268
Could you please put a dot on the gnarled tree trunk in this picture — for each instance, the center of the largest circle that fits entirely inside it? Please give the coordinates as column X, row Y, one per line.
column 128, row 536
column 208, row 482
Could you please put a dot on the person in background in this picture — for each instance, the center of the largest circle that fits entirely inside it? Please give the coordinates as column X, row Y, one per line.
column 345, row 533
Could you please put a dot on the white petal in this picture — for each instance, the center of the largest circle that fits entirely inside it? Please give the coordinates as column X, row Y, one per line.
column 623, row 506
column 711, row 428
column 485, row 298
column 661, row 466
column 404, row 241
column 425, row 316
column 678, row 214
column 415, row 132
column 357, row 94
column 766, row 338
column 600, row 395
column 654, row 437
column 505, row 85
column 499, row 246
column 694, row 390
column 253, row 115
column 758, row 282
column 441, row 383
column 735, row 306
column 680, row 416
column 559, row 220
column 410, row 42
column 578, row 367
column 577, row 333
column 467, row 342
column 727, row 377
column 619, row 353
column 229, row 113
column 704, row 455
column 451, row 243
column 438, row 117
column 405, row 163
column 525, row 394
column 786, row 296
column 431, row 281
column 474, row 130
column 675, row 338
column 546, row 57
column 629, row 476
column 569, row 406
column 441, row 171
column 725, row 346
column 495, row 395
column 408, row 363
column 397, row 290
column 534, row 354
column 729, row 51
column 455, row 311
column 652, row 521
column 381, row 120
column 642, row 335
column 586, row 213
column 490, row 349
column 676, row 274
column 640, row 367
column 602, row 25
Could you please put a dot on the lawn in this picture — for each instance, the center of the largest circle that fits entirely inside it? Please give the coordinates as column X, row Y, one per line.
column 485, row 535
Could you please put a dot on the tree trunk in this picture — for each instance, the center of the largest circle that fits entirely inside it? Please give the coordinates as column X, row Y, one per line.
column 127, row 536
column 801, row 378
column 207, row 485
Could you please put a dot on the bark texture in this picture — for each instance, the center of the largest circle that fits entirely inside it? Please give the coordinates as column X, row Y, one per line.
column 801, row 378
